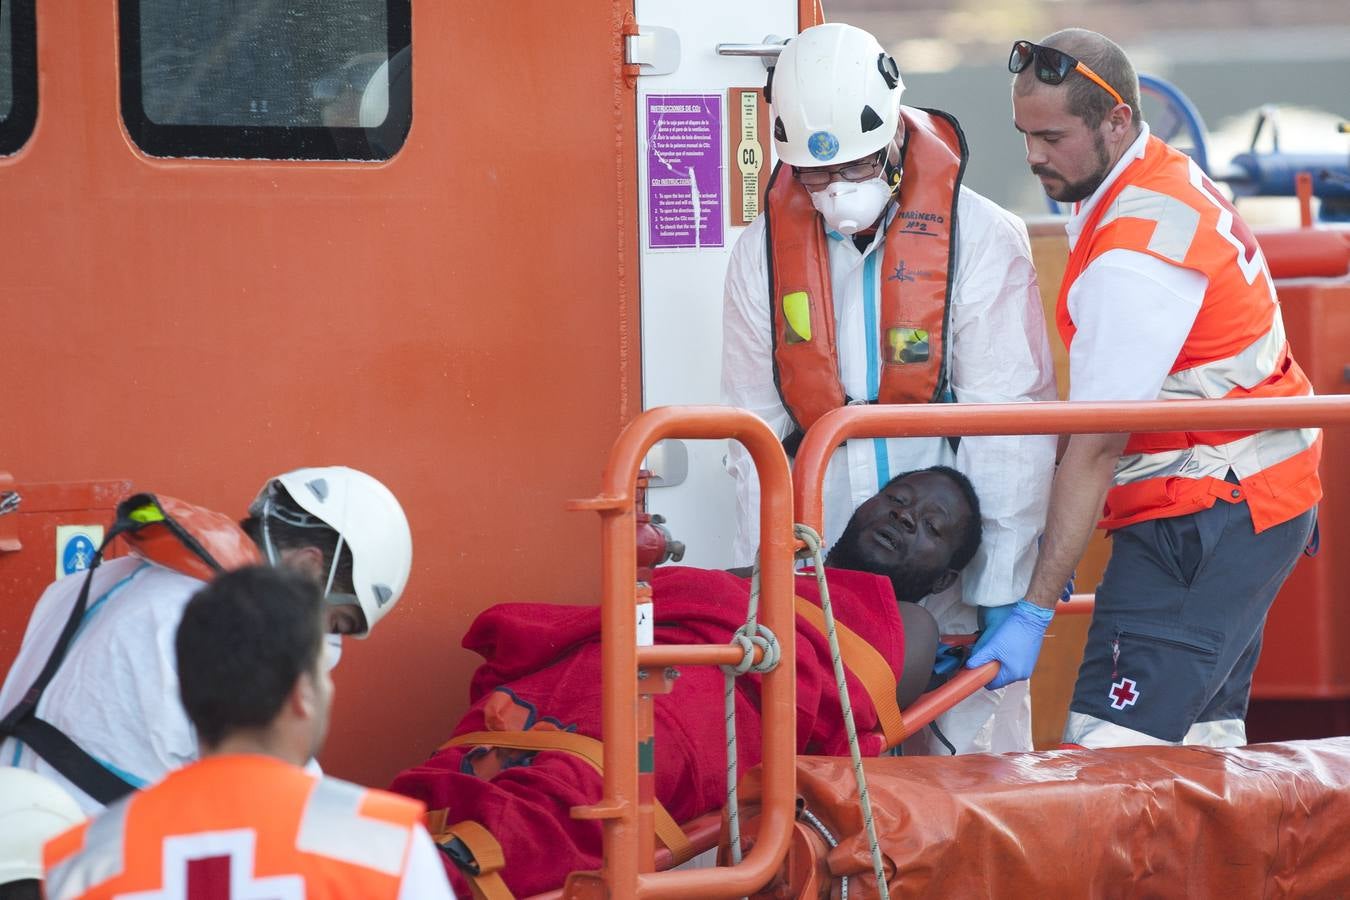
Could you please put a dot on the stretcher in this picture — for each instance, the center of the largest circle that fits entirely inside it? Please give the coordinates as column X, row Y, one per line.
column 1015, row 819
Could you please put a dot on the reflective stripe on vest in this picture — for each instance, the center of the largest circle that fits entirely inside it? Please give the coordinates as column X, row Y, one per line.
column 915, row 287
column 101, row 858
column 253, row 825
column 1163, row 205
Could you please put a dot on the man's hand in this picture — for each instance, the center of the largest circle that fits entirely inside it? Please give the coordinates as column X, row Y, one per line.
column 1013, row 638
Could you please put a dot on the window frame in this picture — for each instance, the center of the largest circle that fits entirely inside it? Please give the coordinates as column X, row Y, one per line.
column 18, row 124
column 277, row 143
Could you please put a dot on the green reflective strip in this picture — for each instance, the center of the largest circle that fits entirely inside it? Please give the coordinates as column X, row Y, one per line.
column 797, row 310
column 647, row 756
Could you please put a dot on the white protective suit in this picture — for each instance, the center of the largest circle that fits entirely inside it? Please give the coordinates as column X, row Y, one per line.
column 998, row 352
column 116, row 693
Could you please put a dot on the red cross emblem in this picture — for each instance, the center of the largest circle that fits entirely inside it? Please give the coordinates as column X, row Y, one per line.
column 1123, row 693
column 218, row 865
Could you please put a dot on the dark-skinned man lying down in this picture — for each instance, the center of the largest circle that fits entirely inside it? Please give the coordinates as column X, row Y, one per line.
column 542, row 674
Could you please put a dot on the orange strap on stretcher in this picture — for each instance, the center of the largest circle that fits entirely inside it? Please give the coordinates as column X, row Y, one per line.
column 487, row 853
column 668, row 831
column 868, row 666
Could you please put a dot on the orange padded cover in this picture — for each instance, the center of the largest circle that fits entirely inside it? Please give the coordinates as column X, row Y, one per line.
column 1263, row 821
column 217, row 533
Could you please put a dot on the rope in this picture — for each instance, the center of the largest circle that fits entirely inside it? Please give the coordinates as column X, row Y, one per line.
column 812, row 540
column 831, row 840
column 748, row 637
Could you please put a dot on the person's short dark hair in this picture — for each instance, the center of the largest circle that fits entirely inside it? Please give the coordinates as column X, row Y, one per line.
column 1086, row 99
column 969, row 541
column 286, row 536
column 243, row 642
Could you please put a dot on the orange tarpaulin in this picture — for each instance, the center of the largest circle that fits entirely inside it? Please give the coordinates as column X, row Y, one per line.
column 1262, row 821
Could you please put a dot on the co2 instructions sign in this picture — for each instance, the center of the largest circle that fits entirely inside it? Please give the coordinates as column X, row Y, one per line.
column 748, row 145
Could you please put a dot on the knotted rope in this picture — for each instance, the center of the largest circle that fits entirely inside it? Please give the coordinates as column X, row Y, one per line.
column 748, row 637
column 807, row 535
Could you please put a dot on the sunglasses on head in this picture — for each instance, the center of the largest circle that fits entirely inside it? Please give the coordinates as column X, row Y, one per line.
column 1053, row 65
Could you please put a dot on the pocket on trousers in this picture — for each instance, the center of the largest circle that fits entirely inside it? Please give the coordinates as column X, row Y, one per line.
column 1161, row 677
column 1179, row 546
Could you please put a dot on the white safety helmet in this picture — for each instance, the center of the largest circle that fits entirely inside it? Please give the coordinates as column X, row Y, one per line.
column 835, row 95
column 33, row 809
column 368, row 519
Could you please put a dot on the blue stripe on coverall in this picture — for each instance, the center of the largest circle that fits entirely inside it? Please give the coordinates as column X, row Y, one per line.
column 870, row 293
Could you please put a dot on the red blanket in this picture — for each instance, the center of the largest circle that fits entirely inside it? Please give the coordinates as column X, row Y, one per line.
column 542, row 670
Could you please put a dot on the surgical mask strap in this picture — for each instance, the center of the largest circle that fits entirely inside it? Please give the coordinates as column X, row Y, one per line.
column 332, row 570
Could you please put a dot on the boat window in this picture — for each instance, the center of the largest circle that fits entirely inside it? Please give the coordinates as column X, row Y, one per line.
column 18, row 74
column 300, row 79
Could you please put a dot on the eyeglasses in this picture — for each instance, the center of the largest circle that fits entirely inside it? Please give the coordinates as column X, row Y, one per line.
column 1052, row 65
column 860, row 171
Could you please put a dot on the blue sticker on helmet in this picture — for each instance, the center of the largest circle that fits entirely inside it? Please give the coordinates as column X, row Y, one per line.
column 823, row 145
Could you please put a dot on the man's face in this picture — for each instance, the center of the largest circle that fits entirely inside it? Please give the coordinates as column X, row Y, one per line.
column 1069, row 158
column 908, row 532
column 818, row 178
column 343, row 618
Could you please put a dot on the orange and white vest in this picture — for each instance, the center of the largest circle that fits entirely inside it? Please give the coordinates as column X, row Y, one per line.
column 239, row 826
column 1163, row 205
column 916, row 287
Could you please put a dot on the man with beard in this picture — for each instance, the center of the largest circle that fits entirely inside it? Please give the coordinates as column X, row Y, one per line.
column 541, row 675
column 1165, row 295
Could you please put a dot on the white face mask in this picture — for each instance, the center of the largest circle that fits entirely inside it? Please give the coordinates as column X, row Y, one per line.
column 332, row 650
column 850, row 206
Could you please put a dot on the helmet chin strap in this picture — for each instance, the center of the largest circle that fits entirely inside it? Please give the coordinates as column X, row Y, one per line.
column 267, row 532
column 271, row 550
column 332, row 570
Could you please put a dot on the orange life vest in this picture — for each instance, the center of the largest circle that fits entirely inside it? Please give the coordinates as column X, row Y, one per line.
column 239, row 826
column 1163, row 205
column 916, row 283
column 181, row 536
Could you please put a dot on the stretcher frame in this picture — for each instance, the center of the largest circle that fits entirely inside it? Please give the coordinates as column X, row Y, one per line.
column 630, row 859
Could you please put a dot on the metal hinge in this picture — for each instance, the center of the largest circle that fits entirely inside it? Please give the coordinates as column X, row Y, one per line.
column 655, row 50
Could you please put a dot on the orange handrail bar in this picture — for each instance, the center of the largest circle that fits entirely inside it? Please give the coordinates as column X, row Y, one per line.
column 626, row 872
column 1057, row 417
column 936, row 420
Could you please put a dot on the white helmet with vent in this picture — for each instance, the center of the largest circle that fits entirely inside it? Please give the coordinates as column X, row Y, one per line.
column 368, row 519
column 835, row 97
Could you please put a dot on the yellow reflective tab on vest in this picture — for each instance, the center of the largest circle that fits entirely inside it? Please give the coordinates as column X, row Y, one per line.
column 147, row 514
column 797, row 311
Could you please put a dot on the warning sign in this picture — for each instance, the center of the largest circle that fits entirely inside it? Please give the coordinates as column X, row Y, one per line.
column 749, row 149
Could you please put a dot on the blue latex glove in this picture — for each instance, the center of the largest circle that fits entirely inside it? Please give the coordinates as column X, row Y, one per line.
column 1014, row 643
column 948, row 660
column 1067, row 594
column 990, row 618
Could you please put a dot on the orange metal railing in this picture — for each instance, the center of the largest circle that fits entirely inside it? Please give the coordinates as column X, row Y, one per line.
column 629, row 852
column 625, row 807
column 936, row 420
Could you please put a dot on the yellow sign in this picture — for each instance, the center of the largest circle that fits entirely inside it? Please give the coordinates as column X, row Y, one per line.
column 749, row 153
